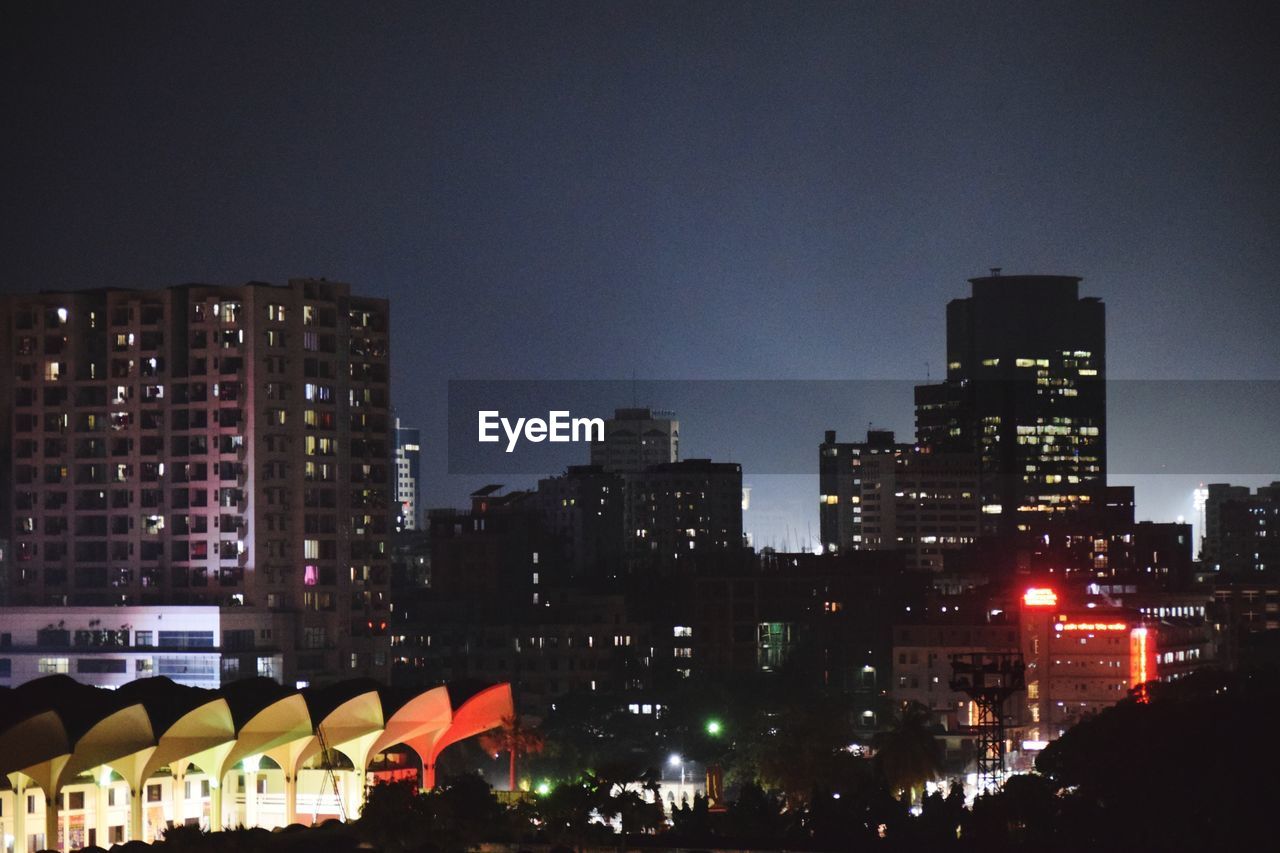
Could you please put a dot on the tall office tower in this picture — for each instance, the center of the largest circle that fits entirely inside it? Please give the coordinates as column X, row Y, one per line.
column 635, row 439
column 1241, row 537
column 408, row 451
column 1026, row 391
column 878, row 495
column 204, row 445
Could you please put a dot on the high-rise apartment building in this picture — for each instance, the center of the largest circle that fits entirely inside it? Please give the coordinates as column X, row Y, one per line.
column 1242, row 530
column 635, row 439
column 1026, row 391
column 408, row 453
column 879, row 495
column 683, row 515
column 203, row 445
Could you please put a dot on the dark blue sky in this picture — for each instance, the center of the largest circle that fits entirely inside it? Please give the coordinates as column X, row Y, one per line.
column 684, row 191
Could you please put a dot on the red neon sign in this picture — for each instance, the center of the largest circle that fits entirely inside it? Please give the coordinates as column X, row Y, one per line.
column 1142, row 662
column 1039, row 596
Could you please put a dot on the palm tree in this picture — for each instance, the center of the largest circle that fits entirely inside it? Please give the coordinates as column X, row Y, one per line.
column 516, row 738
column 908, row 754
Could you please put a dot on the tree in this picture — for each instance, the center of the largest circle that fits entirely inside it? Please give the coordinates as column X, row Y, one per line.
column 908, row 755
column 515, row 738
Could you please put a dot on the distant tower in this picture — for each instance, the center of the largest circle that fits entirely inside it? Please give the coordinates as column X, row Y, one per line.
column 408, row 451
column 1200, row 497
column 635, row 439
column 1026, row 391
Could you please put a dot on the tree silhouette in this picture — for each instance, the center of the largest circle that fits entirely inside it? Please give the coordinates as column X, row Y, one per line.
column 908, row 755
column 515, row 738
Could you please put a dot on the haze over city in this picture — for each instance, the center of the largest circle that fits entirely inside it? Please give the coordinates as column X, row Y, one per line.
column 924, row 353
column 722, row 191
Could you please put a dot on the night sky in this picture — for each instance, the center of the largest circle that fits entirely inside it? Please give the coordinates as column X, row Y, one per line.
column 677, row 191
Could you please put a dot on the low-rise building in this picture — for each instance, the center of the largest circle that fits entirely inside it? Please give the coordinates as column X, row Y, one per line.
column 111, row 646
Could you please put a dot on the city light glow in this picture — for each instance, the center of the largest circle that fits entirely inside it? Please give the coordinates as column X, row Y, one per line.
column 1038, row 596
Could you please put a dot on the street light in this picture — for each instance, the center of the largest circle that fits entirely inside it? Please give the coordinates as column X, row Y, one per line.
column 714, row 728
column 676, row 761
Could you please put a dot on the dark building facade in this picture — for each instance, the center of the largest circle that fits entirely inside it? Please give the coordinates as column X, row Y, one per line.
column 1025, row 390
column 683, row 515
column 1242, row 531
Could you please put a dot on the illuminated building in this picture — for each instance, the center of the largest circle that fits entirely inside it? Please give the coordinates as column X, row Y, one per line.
column 922, row 672
column 1025, row 390
column 97, row 767
column 203, row 445
column 878, row 495
column 408, row 453
column 1080, row 659
column 111, row 646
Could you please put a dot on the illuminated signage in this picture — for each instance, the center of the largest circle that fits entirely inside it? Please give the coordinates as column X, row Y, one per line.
column 1092, row 626
column 1142, row 663
column 1040, row 597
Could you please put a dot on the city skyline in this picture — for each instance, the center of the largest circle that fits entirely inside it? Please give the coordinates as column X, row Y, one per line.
column 711, row 424
column 778, row 195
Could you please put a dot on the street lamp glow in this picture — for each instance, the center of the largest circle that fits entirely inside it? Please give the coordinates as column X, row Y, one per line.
column 675, row 760
column 543, row 788
column 714, row 727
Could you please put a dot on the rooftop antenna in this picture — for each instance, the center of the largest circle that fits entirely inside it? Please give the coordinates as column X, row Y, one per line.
column 634, row 402
column 927, row 377
column 995, row 272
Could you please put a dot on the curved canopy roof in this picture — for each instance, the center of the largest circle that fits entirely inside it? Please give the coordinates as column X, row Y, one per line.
column 53, row 728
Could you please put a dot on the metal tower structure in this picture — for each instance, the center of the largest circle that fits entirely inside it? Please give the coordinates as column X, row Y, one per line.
column 989, row 679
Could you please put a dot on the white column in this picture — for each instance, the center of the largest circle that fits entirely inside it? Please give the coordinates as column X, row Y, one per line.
column 290, row 796
column 135, row 812
column 215, row 804
column 20, row 815
column 100, row 821
column 357, row 794
column 178, row 801
column 250, row 798
column 51, row 820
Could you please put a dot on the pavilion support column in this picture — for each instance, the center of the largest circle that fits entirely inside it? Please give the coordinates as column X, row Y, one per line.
column 20, row 815
column 135, row 813
column 229, row 799
column 428, row 776
column 290, row 797
column 178, row 798
column 215, row 805
column 52, row 821
column 251, row 798
column 357, row 794
column 101, row 822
